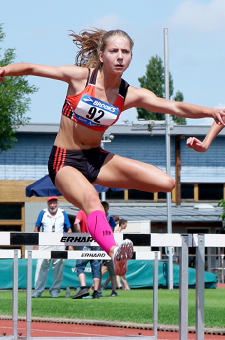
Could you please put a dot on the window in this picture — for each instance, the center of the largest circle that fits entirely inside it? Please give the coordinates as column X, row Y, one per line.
column 10, row 211
column 210, row 192
column 140, row 195
column 11, row 220
column 161, row 195
column 187, row 191
column 10, row 227
column 115, row 195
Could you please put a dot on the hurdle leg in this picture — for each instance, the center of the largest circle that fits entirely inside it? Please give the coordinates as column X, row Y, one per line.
column 155, row 295
column 15, row 294
column 183, row 289
column 200, row 287
column 29, row 288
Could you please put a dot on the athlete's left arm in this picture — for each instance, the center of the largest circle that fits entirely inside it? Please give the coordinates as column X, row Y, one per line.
column 202, row 146
column 149, row 101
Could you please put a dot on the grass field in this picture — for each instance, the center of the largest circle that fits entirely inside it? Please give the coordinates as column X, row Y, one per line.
column 132, row 306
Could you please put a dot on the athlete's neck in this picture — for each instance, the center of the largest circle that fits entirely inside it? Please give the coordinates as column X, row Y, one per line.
column 107, row 80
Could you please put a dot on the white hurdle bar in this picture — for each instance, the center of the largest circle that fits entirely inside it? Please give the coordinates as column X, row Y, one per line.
column 85, row 255
column 84, row 239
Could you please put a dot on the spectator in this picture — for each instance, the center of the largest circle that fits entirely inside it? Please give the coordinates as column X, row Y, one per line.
column 80, row 225
column 122, row 226
column 116, row 219
column 52, row 219
column 109, row 217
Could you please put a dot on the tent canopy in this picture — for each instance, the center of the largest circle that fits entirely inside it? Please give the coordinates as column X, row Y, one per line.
column 45, row 188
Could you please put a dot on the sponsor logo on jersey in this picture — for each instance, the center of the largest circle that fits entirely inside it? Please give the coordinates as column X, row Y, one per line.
column 87, row 99
column 98, row 103
column 105, row 106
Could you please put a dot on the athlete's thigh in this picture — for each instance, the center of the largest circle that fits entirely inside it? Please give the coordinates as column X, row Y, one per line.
column 127, row 173
column 76, row 189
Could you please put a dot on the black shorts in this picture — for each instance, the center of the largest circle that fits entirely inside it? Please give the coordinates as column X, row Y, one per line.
column 88, row 162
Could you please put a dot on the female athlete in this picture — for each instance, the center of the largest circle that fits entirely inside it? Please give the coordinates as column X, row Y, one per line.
column 96, row 96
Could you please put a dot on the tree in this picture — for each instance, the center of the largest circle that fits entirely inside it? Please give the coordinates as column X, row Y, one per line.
column 14, row 101
column 222, row 216
column 153, row 80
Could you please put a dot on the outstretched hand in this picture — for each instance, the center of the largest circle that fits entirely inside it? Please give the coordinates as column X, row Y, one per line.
column 219, row 116
column 2, row 74
column 196, row 144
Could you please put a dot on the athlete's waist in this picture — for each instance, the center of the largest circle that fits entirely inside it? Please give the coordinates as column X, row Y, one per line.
column 79, row 151
column 73, row 136
column 75, row 146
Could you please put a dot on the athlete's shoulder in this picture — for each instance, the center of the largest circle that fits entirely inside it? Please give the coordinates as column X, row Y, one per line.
column 79, row 73
column 135, row 96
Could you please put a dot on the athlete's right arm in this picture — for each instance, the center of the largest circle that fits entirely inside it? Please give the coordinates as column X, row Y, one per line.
column 66, row 73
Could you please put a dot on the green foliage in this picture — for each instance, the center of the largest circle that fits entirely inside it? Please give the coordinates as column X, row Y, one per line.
column 179, row 97
column 222, row 204
column 14, row 101
column 154, row 80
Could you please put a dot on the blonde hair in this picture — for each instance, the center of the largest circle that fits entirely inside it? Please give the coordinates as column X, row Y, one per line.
column 91, row 42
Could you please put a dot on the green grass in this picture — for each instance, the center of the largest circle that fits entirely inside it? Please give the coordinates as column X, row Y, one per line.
column 132, row 306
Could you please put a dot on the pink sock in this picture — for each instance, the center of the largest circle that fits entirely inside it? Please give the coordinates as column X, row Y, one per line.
column 100, row 230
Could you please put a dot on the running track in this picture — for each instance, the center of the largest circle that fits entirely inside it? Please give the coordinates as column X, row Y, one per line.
column 51, row 329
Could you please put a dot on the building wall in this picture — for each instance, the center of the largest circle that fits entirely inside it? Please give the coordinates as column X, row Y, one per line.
column 208, row 167
column 147, row 148
column 28, row 159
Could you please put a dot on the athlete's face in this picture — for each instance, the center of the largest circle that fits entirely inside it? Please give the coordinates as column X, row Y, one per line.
column 117, row 54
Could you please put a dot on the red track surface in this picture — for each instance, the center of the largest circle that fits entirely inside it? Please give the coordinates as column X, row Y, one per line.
column 44, row 329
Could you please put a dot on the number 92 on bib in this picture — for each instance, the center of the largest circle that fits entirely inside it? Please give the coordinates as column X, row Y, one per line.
column 94, row 112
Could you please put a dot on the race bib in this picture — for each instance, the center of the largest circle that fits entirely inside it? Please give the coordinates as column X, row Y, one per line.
column 94, row 112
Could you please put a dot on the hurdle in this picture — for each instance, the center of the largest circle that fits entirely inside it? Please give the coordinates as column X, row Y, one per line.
column 36, row 254
column 152, row 240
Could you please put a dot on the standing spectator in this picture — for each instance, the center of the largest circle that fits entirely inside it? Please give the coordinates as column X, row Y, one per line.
column 122, row 226
column 109, row 217
column 52, row 219
column 80, row 225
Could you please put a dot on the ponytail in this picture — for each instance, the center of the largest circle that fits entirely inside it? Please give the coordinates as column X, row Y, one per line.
column 91, row 42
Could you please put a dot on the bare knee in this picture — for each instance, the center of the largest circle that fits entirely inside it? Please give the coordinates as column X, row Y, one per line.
column 92, row 203
column 170, row 184
column 167, row 184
